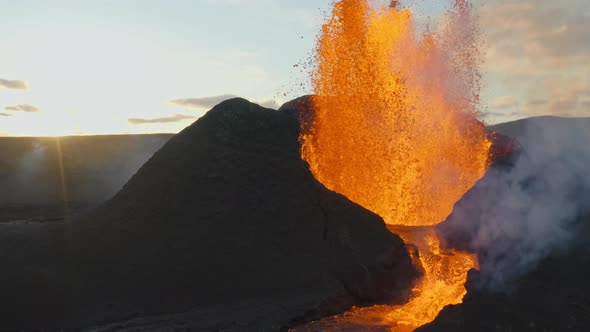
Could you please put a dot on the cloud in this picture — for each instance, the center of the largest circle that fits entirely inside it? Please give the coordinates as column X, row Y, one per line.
column 567, row 94
column 5, row 114
column 201, row 102
column 509, row 115
column 538, row 48
column 167, row 119
column 505, row 102
column 537, row 102
column 205, row 103
column 23, row 108
column 537, row 27
column 562, row 106
column 268, row 103
column 13, row 84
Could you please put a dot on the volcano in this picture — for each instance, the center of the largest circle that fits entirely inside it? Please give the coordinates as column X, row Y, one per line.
column 225, row 227
column 227, row 219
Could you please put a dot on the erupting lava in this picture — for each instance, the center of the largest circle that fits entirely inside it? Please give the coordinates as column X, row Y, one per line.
column 395, row 127
column 396, row 130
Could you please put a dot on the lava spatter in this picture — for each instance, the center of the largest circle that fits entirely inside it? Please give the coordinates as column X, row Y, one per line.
column 396, row 130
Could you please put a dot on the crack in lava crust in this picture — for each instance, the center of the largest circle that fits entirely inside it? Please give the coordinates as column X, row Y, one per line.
column 395, row 129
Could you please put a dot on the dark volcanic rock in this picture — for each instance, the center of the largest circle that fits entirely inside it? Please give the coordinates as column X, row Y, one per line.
column 302, row 109
column 227, row 210
column 225, row 221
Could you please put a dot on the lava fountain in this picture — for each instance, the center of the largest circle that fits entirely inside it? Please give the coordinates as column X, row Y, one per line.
column 395, row 129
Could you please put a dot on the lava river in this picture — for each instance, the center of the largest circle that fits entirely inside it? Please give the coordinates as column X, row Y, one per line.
column 395, row 129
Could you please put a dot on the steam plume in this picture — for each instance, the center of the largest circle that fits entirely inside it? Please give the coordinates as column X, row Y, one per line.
column 524, row 211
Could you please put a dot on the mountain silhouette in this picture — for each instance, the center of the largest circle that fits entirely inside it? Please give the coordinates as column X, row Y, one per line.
column 224, row 215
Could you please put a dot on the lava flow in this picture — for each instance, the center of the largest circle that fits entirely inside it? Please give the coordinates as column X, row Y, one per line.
column 395, row 129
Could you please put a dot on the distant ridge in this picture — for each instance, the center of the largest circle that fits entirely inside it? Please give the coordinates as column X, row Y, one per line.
column 517, row 128
column 94, row 169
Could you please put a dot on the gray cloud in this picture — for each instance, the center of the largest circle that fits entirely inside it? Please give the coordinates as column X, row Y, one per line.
column 202, row 102
column 562, row 106
column 23, row 108
column 13, row 84
column 537, row 27
column 537, row 102
column 511, row 115
column 5, row 114
column 541, row 45
column 205, row 103
column 505, row 102
column 166, row 119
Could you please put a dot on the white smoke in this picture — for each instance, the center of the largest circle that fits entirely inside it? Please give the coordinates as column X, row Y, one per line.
column 518, row 215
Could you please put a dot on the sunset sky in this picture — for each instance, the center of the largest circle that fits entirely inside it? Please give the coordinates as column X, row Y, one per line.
column 133, row 66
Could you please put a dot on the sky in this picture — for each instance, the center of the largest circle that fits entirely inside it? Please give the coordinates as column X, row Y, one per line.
column 135, row 66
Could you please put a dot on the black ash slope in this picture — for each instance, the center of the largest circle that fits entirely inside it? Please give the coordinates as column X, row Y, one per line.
column 225, row 223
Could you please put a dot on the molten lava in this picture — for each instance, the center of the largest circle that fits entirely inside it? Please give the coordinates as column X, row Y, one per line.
column 395, row 129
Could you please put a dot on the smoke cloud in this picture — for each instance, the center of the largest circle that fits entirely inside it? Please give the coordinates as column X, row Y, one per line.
column 530, row 207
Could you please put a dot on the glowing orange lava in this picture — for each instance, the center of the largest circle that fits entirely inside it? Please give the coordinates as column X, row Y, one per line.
column 396, row 130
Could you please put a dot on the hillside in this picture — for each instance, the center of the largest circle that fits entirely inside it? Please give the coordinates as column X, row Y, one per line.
column 94, row 168
column 225, row 220
column 520, row 128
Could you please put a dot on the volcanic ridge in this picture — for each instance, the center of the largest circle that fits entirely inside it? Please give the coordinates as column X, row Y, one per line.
column 225, row 218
